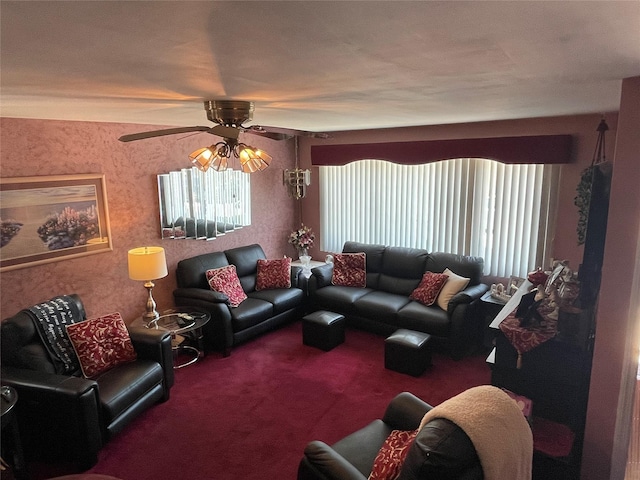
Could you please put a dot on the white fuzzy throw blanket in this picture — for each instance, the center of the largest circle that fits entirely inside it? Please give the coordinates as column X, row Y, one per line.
column 497, row 428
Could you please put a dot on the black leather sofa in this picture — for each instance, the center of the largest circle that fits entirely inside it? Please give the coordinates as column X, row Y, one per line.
column 384, row 305
column 440, row 451
column 262, row 311
column 69, row 418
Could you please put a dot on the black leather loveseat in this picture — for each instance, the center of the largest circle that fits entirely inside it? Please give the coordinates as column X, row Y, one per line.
column 263, row 310
column 66, row 417
column 392, row 273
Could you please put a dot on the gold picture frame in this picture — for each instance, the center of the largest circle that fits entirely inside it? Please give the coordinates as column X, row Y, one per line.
column 51, row 218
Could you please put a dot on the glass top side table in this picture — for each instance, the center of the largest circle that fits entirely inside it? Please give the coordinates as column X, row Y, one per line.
column 185, row 325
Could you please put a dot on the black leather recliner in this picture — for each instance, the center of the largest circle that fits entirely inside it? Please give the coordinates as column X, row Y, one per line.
column 69, row 418
column 440, row 451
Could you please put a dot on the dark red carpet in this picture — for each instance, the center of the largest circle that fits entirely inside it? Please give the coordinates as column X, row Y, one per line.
column 250, row 415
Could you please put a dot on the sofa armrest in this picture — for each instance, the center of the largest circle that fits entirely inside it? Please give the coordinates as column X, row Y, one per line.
column 296, row 277
column 152, row 344
column 58, row 410
column 466, row 296
column 200, row 295
column 405, row 412
column 323, row 462
column 320, row 277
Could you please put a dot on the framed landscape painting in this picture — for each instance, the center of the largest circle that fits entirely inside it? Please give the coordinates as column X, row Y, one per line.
column 51, row 218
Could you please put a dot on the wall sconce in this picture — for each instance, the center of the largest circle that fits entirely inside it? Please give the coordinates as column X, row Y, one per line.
column 297, row 180
column 217, row 156
column 147, row 264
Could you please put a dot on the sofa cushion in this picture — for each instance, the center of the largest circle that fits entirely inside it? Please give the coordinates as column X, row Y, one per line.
column 454, row 284
column 441, row 450
column 282, row 299
column 464, row 265
column 121, row 386
column 339, row 299
column 374, row 255
column 431, row 320
column 246, row 261
column 273, row 274
column 429, row 288
column 225, row 280
column 380, row 306
column 362, row 446
column 391, row 456
column 191, row 271
column 402, row 269
column 349, row 270
column 101, row 344
column 250, row 312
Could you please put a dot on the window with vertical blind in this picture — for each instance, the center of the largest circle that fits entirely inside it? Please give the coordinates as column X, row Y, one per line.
column 470, row 206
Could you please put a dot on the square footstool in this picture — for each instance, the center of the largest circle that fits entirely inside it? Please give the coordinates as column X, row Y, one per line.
column 407, row 351
column 323, row 330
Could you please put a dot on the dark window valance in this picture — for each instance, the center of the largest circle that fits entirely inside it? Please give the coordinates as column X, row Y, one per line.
column 531, row 149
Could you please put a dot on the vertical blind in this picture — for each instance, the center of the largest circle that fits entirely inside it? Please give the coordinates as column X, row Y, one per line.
column 466, row 206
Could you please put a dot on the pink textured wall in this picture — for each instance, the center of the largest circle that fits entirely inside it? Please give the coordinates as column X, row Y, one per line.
column 45, row 147
column 582, row 128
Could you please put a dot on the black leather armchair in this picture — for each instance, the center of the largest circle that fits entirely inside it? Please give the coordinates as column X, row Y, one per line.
column 440, row 451
column 70, row 418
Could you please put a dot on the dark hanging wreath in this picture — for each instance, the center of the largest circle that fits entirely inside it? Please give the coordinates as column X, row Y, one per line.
column 582, row 200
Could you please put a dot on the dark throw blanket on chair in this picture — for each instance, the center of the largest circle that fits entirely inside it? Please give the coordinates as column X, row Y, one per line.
column 50, row 319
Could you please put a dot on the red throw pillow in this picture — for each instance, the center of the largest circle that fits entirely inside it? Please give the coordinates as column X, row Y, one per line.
column 225, row 280
column 391, row 455
column 274, row 274
column 429, row 289
column 101, row 344
column 349, row 270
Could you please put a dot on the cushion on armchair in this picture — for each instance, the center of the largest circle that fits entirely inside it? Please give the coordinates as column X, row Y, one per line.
column 101, row 344
column 390, row 458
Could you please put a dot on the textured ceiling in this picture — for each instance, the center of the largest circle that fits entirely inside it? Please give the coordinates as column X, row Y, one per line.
column 316, row 65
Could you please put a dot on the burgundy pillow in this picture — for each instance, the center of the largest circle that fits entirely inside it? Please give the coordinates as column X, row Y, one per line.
column 429, row 289
column 349, row 270
column 391, row 455
column 101, row 344
column 274, row 274
column 225, row 280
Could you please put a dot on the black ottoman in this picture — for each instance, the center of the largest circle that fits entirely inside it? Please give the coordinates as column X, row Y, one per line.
column 406, row 351
column 323, row 330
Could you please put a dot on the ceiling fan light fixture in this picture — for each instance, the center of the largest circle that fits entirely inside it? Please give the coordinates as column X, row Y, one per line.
column 202, row 158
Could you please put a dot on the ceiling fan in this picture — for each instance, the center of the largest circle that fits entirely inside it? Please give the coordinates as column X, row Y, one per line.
column 230, row 116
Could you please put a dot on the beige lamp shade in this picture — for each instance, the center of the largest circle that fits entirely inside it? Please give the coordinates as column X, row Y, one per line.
column 147, row 263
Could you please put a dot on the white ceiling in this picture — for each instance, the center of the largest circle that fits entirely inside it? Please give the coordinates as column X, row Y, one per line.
column 316, row 65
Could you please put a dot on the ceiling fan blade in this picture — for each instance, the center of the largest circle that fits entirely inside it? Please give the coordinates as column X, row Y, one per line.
column 278, row 133
column 219, row 130
column 159, row 133
column 286, row 132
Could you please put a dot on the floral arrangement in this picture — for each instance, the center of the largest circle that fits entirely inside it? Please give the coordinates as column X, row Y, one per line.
column 302, row 238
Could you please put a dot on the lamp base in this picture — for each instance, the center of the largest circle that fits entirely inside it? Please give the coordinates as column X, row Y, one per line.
column 151, row 313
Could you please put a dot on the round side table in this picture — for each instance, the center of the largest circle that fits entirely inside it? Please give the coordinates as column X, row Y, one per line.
column 185, row 325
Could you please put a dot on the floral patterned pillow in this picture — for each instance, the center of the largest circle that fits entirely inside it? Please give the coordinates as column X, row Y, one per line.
column 101, row 344
column 388, row 462
column 225, row 280
column 349, row 270
column 429, row 288
column 274, row 274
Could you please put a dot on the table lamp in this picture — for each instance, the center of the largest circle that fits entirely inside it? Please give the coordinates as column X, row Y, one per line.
column 147, row 264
